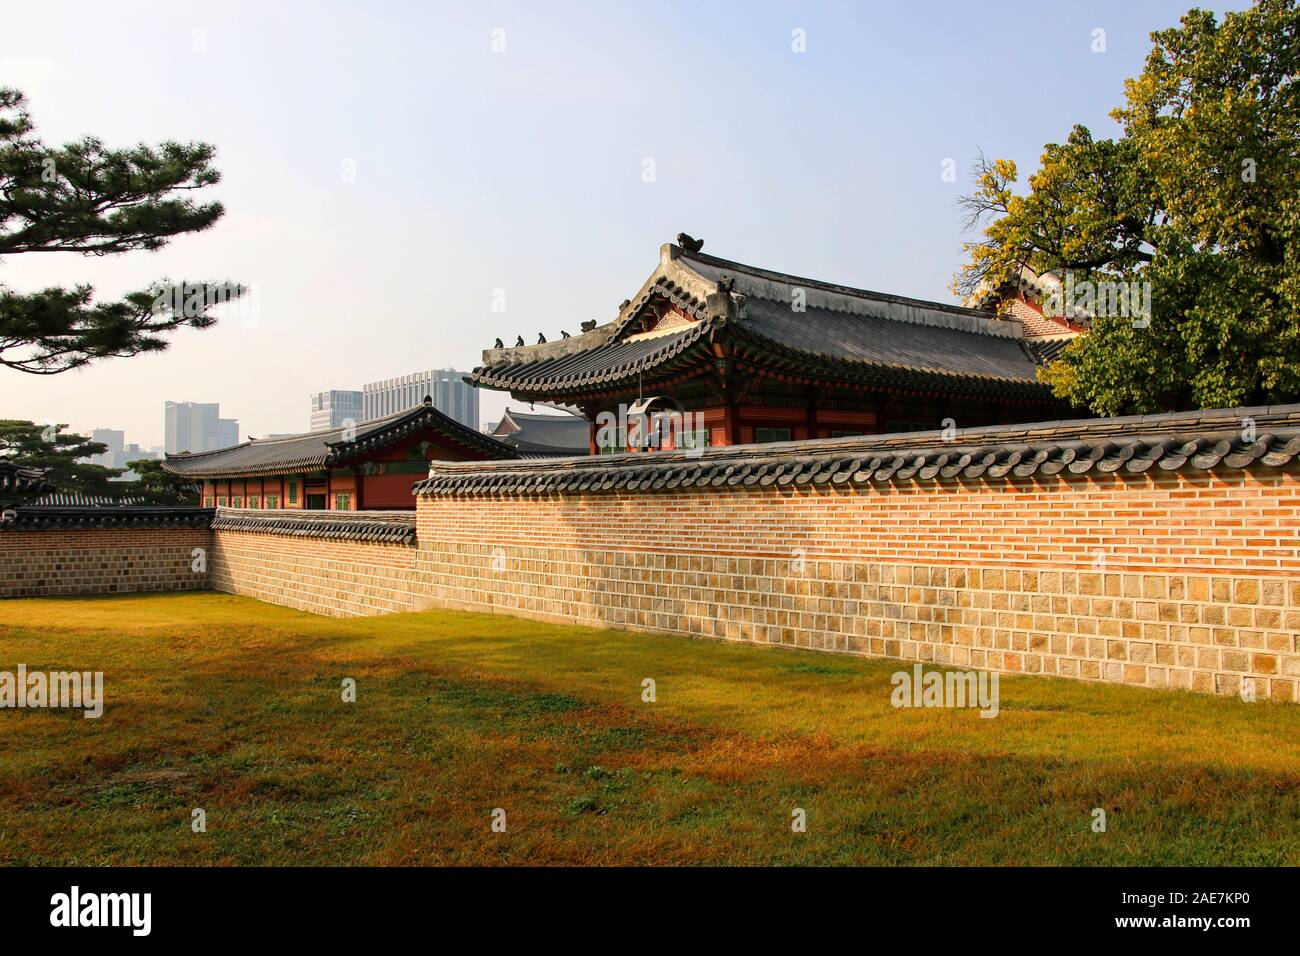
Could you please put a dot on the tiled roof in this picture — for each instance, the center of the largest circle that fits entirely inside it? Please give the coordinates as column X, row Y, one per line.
column 547, row 435
column 883, row 342
column 1202, row 440
column 315, row 451
column 31, row 518
column 18, row 479
column 837, row 331
column 1049, row 348
column 605, row 363
column 75, row 499
column 392, row 526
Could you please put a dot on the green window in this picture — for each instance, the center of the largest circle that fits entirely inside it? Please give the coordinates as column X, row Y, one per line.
column 272, row 502
column 293, row 492
column 342, row 502
column 763, row 435
column 699, row 438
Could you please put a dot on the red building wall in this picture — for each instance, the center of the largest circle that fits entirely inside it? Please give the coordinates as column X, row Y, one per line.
column 376, row 482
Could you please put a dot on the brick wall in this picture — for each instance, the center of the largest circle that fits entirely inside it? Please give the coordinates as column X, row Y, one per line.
column 1173, row 579
column 342, row 578
column 1158, row 552
column 100, row 561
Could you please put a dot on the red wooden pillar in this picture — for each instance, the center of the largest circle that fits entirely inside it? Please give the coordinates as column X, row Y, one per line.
column 731, row 424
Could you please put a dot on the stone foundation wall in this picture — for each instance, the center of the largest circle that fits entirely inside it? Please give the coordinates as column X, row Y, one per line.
column 1182, row 579
column 336, row 576
column 101, row 561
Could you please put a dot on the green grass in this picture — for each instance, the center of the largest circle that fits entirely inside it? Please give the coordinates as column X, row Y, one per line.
column 234, row 706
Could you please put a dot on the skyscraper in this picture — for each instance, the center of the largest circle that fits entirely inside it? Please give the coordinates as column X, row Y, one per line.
column 451, row 395
column 115, row 439
column 196, row 427
column 331, row 409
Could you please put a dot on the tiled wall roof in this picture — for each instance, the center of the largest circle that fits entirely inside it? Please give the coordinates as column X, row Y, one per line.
column 1202, row 440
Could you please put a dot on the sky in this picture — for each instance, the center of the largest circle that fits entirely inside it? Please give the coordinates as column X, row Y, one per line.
column 388, row 167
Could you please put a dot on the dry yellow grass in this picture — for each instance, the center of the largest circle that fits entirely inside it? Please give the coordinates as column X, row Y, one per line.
column 233, row 706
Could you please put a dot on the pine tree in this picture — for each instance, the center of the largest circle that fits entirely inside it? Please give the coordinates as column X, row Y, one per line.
column 86, row 198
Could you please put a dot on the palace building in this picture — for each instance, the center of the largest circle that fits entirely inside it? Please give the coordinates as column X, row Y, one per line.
column 759, row 356
column 371, row 465
column 543, row 436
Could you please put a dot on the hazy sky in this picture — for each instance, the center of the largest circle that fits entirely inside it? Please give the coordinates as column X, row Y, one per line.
column 522, row 169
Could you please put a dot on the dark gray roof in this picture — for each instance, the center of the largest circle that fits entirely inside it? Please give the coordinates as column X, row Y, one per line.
column 315, row 451
column 838, row 332
column 1201, row 440
column 393, row 526
column 32, row 518
column 543, row 435
column 75, row 499
column 603, row 364
column 19, row 480
column 1048, row 348
column 880, row 341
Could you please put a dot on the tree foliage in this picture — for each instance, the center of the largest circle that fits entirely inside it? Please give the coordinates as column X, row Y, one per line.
column 86, row 198
column 154, row 486
column 59, row 454
column 1199, row 195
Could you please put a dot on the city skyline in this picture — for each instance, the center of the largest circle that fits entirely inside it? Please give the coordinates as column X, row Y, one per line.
column 119, row 452
column 197, row 427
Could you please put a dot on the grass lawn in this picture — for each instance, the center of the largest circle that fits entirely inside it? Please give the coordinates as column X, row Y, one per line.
column 234, row 706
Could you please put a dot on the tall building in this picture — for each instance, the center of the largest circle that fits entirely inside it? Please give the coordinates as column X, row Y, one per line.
column 112, row 456
column 119, row 452
column 331, row 409
column 196, row 427
column 451, row 395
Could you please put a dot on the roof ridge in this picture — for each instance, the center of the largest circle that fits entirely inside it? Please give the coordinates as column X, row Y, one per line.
column 1131, row 445
column 1201, row 421
column 801, row 282
column 778, row 287
column 338, row 428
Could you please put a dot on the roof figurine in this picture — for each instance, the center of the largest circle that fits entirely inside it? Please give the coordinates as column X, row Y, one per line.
column 721, row 304
column 688, row 243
